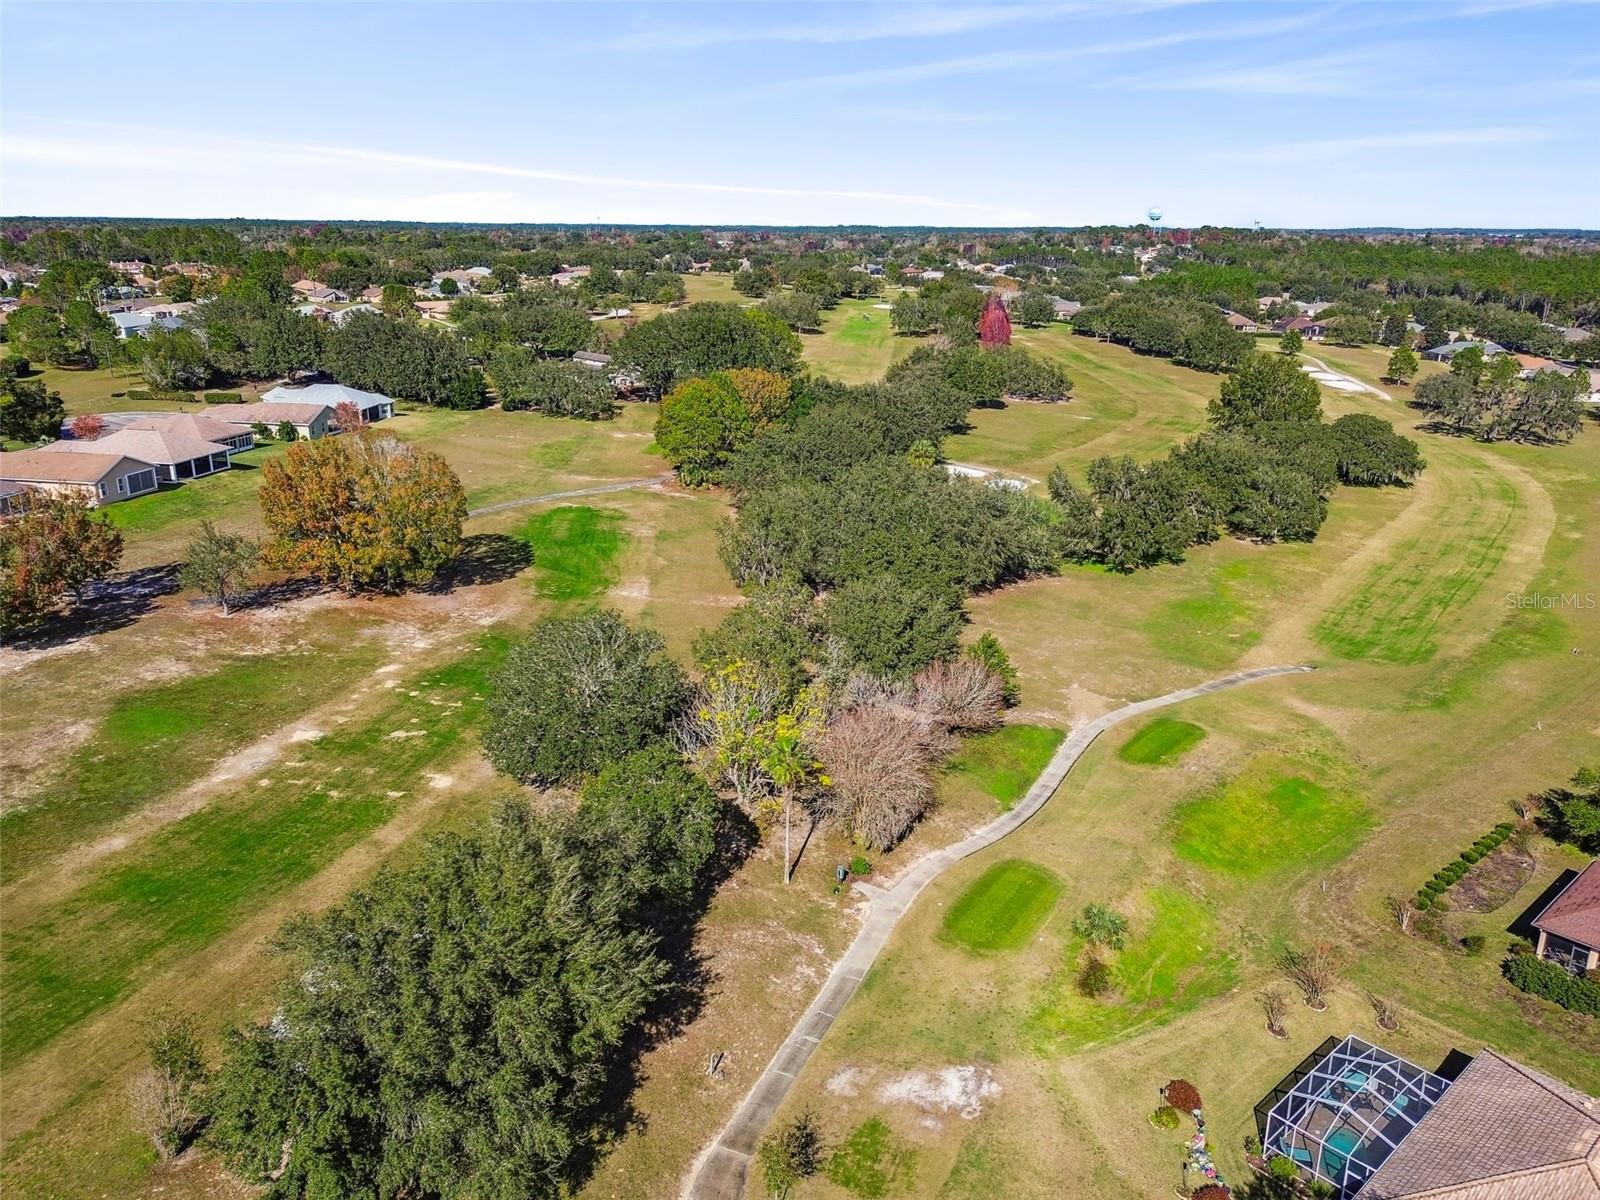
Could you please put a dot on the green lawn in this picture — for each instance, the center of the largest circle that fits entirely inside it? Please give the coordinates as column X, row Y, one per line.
column 1270, row 818
column 856, row 344
column 871, row 1161
column 188, row 884
column 1174, row 960
column 228, row 496
column 575, row 550
column 1394, row 613
column 156, row 740
column 1003, row 908
column 1003, row 763
column 1162, row 741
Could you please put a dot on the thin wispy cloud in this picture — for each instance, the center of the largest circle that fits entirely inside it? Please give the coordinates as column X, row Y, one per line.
column 1004, row 61
column 1326, row 75
column 133, row 148
column 911, row 114
column 863, row 24
column 1420, row 139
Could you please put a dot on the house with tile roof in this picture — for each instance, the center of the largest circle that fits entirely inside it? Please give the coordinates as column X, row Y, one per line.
column 1569, row 926
column 97, row 477
column 373, row 406
column 175, row 451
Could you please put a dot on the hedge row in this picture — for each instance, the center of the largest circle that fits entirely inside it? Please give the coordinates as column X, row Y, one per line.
column 1533, row 974
column 145, row 395
column 1443, row 880
column 223, row 398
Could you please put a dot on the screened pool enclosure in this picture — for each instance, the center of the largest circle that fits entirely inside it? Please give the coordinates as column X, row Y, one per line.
column 1348, row 1113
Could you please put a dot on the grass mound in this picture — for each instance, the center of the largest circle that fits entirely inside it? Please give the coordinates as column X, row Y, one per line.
column 1272, row 817
column 1004, row 763
column 1173, row 962
column 1162, row 741
column 1003, row 907
column 575, row 550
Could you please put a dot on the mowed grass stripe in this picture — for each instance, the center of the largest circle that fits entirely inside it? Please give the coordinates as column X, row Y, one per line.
column 575, row 550
column 184, row 887
column 159, row 739
column 1003, row 908
column 1162, row 741
column 1397, row 613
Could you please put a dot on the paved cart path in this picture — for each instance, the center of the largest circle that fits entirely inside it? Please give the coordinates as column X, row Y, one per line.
column 598, row 490
column 719, row 1172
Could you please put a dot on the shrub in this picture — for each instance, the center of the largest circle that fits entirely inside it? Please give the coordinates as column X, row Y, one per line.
column 1474, row 943
column 1283, row 1168
column 860, row 866
column 1533, row 974
column 1165, row 1117
column 1182, row 1095
column 223, row 398
column 159, row 395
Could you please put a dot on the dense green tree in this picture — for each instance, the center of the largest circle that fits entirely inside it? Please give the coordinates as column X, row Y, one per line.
column 1394, row 331
column 1370, row 453
column 558, row 388
column 1034, row 308
column 890, row 628
column 1402, row 365
column 36, row 332
column 402, row 359
column 702, row 423
column 30, row 412
column 988, row 651
column 1266, row 387
column 219, row 563
column 704, row 338
column 800, row 311
column 579, row 692
column 772, row 629
column 173, row 359
column 452, row 1029
column 790, row 1155
column 1573, row 812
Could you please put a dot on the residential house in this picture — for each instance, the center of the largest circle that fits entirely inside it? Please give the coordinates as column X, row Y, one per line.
column 176, row 452
column 1066, row 309
column 97, row 477
column 201, row 426
column 310, row 421
column 313, row 310
column 569, row 276
column 588, row 358
column 1313, row 308
column 142, row 321
column 1311, row 330
column 373, row 406
column 1240, row 322
column 339, row 316
column 1569, row 926
column 371, row 295
column 1376, row 1127
column 1449, row 350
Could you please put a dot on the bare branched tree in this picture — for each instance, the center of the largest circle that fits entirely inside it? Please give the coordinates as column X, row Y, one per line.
column 1275, row 1006
column 1405, row 917
column 1384, row 1010
column 167, row 1096
column 876, row 758
column 959, row 694
column 1314, row 971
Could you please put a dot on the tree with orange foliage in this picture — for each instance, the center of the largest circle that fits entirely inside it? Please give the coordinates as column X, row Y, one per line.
column 765, row 393
column 86, row 427
column 363, row 511
column 994, row 326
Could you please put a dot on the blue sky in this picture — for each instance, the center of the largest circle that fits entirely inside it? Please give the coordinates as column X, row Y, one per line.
column 1305, row 114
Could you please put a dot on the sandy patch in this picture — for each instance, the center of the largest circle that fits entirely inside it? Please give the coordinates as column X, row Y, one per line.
column 846, row 1081
column 406, row 733
column 440, row 782
column 305, row 735
column 961, row 1090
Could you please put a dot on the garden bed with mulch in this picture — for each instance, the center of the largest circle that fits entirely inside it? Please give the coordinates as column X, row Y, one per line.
column 1493, row 880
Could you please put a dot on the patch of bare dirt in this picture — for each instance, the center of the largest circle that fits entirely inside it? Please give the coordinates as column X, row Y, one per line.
column 1493, row 880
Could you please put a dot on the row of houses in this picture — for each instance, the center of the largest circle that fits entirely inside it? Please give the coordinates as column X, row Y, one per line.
column 146, row 450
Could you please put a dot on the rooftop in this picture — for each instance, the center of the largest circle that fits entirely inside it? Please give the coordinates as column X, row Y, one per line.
column 1575, row 913
column 39, row 466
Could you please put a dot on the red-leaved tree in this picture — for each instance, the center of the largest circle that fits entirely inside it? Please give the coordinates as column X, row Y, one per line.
column 86, row 427
column 994, row 326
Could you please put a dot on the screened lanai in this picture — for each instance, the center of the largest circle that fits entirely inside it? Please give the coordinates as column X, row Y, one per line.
column 1349, row 1112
